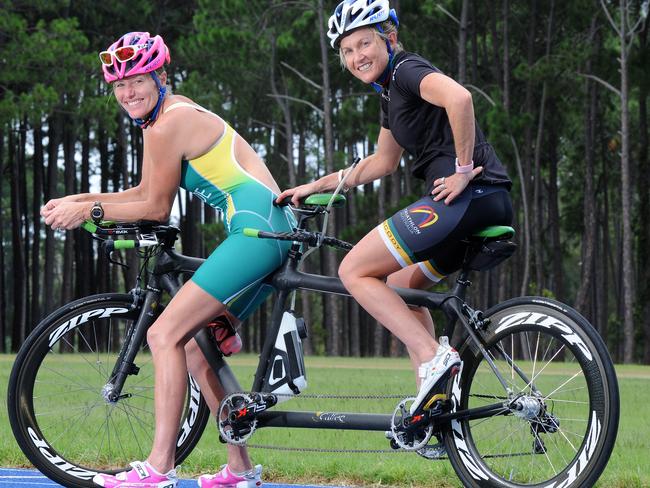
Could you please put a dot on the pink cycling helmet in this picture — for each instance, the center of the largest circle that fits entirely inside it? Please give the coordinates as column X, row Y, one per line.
column 151, row 53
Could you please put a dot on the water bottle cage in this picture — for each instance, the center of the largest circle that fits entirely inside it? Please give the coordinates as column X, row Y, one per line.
column 221, row 329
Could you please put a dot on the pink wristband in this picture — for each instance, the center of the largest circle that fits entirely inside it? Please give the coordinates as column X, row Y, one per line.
column 465, row 168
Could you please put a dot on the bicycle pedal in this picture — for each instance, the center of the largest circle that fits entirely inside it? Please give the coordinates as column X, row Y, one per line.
column 435, row 401
column 433, row 452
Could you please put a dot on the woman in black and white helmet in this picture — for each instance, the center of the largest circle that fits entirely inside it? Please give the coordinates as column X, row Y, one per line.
column 430, row 116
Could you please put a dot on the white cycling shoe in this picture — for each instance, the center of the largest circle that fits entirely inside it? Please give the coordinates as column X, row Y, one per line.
column 434, row 375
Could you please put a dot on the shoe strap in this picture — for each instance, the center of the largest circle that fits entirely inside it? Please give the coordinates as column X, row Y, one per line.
column 423, row 370
column 141, row 469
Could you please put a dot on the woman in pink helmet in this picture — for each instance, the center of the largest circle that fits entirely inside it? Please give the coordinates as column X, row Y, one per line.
column 186, row 145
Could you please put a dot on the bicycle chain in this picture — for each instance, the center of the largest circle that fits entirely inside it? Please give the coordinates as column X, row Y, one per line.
column 341, row 397
column 331, row 450
column 346, row 451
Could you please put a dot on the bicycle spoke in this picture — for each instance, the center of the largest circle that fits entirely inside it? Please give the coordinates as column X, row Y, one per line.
column 545, row 366
column 87, row 386
column 535, row 355
column 117, row 436
column 537, row 438
column 579, row 373
column 82, row 356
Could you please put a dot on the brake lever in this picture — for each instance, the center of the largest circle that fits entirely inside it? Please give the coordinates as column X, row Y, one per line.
column 109, row 250
column 115, row 261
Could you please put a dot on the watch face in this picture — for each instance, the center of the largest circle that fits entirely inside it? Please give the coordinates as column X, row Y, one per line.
column 97, row 213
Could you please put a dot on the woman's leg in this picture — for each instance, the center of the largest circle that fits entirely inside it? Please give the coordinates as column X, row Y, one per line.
column 362, row 272
column 413, row 277
column 187, row 312
column 212, row 392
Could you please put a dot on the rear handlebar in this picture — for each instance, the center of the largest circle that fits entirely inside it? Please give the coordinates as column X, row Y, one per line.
column 313, row 239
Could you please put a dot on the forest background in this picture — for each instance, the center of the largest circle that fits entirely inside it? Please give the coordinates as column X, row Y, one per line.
column 560, row 89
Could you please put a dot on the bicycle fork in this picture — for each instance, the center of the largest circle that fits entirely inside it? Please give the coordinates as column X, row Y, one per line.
column 125, row 366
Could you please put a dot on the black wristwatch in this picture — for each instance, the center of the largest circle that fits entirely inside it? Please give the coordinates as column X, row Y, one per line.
column 97, row 212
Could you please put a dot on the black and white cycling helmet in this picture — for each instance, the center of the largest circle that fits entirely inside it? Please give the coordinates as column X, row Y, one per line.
column 352, row 14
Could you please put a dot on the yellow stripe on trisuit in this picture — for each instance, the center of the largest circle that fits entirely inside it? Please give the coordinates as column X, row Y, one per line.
column 392, row 239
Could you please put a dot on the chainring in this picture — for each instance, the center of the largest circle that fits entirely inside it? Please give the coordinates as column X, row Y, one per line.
column 406, row 437
column 232, row 428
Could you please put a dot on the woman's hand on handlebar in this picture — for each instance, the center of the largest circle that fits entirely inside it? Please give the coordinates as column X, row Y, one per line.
column 62, row 213
column 51, row 204
column 298, row 193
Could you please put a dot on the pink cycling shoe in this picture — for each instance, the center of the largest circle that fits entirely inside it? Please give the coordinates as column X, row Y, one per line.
column 227, row 479
column 141, row 476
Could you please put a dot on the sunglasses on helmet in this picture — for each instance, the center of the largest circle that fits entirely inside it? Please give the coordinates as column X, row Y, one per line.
column 122, row 54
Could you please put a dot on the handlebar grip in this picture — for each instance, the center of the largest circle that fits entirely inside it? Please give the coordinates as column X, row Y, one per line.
column 125, row 244
column 89, row 226
column 248, row 232
column 111, row 245
column 284, row 202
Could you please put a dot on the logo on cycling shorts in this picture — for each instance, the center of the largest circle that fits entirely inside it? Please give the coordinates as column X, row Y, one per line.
column 427, row 214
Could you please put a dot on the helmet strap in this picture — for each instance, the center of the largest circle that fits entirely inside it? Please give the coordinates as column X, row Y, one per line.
column 153, row 115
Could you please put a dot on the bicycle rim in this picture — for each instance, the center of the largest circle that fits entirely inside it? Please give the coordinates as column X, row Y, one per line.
column 62, row 420
column 560, row 434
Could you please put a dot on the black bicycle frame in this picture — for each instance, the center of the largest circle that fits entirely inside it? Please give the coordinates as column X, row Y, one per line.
column 286, row 280
column 165, row 276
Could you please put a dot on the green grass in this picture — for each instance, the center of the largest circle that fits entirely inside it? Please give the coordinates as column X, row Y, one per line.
column 628, row 466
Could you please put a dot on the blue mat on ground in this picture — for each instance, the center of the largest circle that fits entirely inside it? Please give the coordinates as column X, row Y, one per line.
column 22, row 478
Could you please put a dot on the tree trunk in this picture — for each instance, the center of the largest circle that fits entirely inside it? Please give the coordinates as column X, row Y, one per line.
column 557, row 284
column 496, row 58
column 538, row 215
column 283, row 103
column 626, row 193
column 644, row 209
column 353, row 306
column 474, row 40
column 524, row 163
column 103, row 266
column 54, row 131
column 24, row 211
column 84, row 247
column 462, row 43
column 332, row 318
column 18, row 268
column 506, row 55
column 67, row 275
column 3, row 283
column 37, row 202
column 589, row 234
column 606, row 283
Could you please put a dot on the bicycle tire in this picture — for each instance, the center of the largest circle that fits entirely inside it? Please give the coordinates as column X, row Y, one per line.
column 548, row 442
column 56, row 409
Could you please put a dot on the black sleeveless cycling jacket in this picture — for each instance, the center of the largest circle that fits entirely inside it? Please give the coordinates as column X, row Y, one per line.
column 423, row 129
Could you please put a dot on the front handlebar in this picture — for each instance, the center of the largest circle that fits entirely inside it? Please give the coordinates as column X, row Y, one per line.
column 146, row 234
